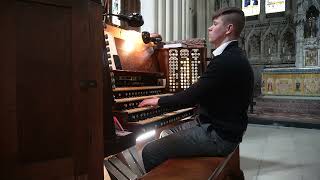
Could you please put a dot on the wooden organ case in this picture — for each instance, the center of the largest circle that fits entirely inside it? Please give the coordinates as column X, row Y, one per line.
column 51, row 90
column 143, row 72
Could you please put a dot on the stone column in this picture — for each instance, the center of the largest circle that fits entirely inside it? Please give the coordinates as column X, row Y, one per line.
column 177, row 19
column 169, row 20
column 262, row 15
column 183, row 19
column 300, row 20
column 162, row 18
column 149, row 12
column 188, row 18
column 201, row 19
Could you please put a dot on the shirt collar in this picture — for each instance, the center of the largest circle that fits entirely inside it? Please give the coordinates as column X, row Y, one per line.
column 221, row 48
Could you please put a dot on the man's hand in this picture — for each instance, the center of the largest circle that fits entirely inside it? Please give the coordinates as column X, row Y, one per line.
column 149, row 102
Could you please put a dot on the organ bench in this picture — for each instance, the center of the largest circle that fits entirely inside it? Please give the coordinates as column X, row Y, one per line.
column 199, row 168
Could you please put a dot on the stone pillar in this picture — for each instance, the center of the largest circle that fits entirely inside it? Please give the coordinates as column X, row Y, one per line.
column 210, row 9
column 183, row 19
column 188, row 18
column 169, row 20
column 149, row 12
column 232, row 3
column 300, row 19
column 201, row 19
column 162, row 18
column 262, row 15
column 177, row 19
column 192, row 26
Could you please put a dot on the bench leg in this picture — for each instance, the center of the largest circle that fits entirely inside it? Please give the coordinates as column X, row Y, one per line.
column 233, row 171
column 236, row 175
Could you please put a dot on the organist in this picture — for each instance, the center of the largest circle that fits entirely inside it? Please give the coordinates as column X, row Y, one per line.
column 223, row 93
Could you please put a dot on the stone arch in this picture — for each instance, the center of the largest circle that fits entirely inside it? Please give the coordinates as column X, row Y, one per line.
column 217, row 5
column 316, row 3
column 287, row 41
column 303, row 6
column 225, row 3
column 306, row 4
column 254, row 44
column 269, row 42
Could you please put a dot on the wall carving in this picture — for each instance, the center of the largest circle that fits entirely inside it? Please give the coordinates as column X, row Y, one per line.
column 307, row 33
column 287, row 47
column 288, row 43
column 270, row 43
column 311, row 57
column 254, row 47
column 311, row 23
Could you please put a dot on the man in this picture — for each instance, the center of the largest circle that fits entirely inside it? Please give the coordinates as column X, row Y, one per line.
column 223, row 93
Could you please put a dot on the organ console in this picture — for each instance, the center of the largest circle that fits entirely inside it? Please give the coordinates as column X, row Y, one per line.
column 143, row 72
column 134, row 87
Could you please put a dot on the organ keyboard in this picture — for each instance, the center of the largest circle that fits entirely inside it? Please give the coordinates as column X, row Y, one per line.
column 162, row 120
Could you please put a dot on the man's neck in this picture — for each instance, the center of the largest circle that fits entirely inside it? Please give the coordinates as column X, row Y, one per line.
column 225, row 40
column 221, row 48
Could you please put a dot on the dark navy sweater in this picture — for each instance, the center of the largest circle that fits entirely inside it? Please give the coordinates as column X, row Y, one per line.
column 223, row 94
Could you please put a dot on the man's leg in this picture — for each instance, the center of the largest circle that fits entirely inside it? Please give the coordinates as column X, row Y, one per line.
column 195, row 141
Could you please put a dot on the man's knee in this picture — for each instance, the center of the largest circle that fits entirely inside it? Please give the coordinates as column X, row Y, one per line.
column 165, row 133
column 178, row 128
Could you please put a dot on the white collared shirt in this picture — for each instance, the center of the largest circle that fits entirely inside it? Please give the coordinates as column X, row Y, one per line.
column 221, row 48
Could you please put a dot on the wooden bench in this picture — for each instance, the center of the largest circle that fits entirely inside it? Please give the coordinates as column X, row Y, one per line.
column 199, row 168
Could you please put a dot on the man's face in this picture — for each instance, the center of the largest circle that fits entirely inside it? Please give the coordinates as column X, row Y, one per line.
column 217, row 32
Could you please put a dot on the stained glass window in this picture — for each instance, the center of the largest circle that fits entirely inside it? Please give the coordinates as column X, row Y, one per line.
column 274, row 6
column 116, row 10
column 251, row 7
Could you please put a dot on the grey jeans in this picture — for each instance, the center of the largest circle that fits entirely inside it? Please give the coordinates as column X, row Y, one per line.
column 185, row 140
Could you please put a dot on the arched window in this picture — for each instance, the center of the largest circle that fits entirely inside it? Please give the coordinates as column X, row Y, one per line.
column 115, row 9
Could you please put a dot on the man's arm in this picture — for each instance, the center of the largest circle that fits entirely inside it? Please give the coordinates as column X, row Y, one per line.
column 195, row 93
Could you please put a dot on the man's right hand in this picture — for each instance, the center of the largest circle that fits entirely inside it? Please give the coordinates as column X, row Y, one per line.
column 149, row 102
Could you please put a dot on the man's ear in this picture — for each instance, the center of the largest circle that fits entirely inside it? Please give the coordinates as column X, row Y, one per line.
column 230, row 29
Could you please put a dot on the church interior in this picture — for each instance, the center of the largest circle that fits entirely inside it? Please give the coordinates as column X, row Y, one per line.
column 73, row 73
